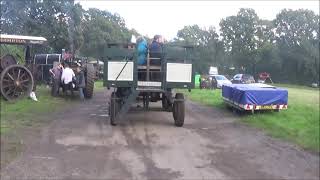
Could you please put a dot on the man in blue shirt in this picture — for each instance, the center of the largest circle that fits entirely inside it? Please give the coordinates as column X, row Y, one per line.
column 142, row 48
column 156, row 48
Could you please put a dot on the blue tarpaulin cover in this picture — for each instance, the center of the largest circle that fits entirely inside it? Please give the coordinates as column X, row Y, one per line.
column 255, row 94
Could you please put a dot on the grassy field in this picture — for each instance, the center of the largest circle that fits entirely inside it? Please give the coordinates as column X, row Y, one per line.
column 298, row 124
column 205, row 96
column 26, row 112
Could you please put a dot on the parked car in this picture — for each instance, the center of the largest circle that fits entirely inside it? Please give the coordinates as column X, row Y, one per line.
column 220, row 80
column 242, row 79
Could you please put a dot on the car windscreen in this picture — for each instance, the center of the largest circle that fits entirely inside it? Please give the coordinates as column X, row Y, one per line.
column 238, row 76
column 220, row 78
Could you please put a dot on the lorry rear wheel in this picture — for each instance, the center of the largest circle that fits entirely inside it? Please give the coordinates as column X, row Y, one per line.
column 178, row 110
column 113, row 109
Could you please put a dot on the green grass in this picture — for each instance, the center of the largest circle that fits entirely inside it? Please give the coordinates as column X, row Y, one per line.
column 26, row 112
column 298, row 124
column 205, row 96
column 98, row 85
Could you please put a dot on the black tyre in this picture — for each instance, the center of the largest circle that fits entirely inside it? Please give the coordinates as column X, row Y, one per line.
column 174, row 111
column 113, row 109
column 88, row 91
column 178, row 110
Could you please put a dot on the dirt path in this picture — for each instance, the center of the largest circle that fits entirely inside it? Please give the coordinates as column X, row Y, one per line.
column 80, row 144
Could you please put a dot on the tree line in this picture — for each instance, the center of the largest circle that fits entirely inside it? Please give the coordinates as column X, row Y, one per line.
column 286, row 47
column 66, row 25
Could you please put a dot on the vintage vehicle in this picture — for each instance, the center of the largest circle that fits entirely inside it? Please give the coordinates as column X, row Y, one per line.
column 242, row 79
column 220, row 80
column 151, row 82
column 44, row 62
column 16, row 80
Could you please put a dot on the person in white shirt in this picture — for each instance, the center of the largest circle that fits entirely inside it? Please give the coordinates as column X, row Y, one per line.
column 67, row 78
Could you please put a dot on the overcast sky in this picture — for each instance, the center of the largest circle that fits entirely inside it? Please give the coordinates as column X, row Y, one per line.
column 167, row 17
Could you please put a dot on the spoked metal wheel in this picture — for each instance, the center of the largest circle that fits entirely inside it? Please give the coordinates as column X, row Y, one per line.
column 178, row 110
column 7, row 60
column 16, row 82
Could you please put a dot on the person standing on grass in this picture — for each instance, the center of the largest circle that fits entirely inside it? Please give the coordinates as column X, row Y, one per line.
column 80, row 81
column 66, row 78
column 56, row 77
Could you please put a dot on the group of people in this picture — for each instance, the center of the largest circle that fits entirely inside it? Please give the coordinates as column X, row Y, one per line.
column 63, row 76
column 155, row 49
column 207, row 82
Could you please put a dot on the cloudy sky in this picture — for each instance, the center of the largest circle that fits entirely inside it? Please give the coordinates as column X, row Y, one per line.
column 167, row 17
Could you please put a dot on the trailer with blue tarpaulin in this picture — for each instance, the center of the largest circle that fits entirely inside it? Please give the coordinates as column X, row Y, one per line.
column 252, row 97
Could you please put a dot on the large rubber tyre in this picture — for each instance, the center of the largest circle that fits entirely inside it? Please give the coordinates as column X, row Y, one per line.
column 88, row 90
column 179, row 110
column 113, row 109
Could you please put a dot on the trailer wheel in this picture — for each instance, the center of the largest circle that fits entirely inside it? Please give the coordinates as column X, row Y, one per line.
column 113, row 109
column 88, row 91
column 178, row 110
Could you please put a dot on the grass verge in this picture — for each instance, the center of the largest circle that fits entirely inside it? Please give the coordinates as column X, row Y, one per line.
column 26, row 113
column 298, row 124
column 205, row 96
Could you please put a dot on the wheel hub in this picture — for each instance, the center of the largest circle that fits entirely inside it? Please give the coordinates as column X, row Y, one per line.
column 17, row 83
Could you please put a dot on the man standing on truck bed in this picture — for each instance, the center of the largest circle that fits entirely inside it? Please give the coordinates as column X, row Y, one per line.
column 155, row 49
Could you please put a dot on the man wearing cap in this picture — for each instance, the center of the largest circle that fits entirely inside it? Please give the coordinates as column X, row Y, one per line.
column 80, row 81
column 156, row 48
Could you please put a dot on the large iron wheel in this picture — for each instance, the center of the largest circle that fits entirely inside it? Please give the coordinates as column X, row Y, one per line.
column 7, row 60
column 16, row 82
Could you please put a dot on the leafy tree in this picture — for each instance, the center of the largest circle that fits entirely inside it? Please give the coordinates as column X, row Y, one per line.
column 297, row 34
column 238, row 34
